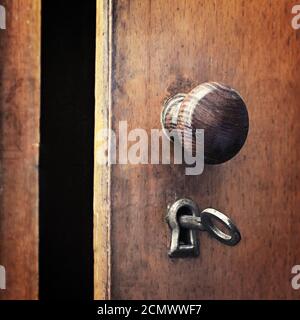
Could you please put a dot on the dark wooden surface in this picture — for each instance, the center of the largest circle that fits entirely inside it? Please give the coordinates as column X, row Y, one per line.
column 19, row 145
column 164, row 47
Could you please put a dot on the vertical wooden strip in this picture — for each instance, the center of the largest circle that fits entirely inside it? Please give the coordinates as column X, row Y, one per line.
column 102, row 205
column 19, row 147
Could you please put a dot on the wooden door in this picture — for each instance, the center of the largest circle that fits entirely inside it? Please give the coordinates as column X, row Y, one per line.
column 19, row 147
column 149, row 50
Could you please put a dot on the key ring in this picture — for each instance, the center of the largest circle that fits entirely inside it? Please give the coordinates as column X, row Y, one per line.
column 207, row 217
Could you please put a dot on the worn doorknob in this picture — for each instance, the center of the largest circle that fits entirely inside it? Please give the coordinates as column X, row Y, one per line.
column 216, row 108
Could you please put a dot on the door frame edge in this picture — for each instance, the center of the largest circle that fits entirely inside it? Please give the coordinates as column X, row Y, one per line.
column 102, row 170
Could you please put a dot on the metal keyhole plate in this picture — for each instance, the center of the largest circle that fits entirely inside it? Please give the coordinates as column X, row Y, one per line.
column 184, row 220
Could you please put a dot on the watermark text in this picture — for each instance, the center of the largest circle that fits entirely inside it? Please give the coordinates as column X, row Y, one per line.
column 296, row 278
column 296, row 18
column 2, row 278
column 2, row 18
column 132, row 147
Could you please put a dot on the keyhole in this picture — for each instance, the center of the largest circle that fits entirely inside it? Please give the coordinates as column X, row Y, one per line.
column 184, row 235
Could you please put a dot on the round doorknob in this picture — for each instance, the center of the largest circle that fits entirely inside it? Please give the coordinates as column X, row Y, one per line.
column 216, row 108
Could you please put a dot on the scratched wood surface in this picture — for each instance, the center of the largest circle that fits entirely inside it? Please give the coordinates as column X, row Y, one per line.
column 19, row 145
column 165, row 47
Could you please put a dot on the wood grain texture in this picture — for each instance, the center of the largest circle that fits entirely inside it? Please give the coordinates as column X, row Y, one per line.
column 102, row 204
column 161, row 48
column 19, row 146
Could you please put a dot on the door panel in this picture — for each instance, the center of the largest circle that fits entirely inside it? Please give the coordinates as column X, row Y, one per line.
column 19, row 147
column 154, row 49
